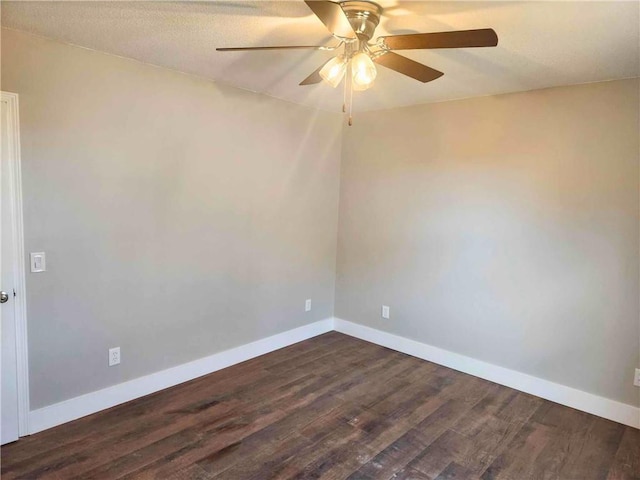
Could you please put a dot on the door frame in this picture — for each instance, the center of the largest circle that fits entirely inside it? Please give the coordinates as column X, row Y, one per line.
column 20, row 299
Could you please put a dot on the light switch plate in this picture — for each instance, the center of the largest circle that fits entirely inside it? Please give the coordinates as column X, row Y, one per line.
column 636, row 378
column 307, row 305
column 38, row 262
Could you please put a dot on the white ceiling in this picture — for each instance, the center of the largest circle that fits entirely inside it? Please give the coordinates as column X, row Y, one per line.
column 541, row 44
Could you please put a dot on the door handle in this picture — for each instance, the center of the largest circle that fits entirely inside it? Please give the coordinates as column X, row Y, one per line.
column 4, row 298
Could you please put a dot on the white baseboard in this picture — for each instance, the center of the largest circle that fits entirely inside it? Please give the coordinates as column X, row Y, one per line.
column 93, row 402
column 571, row 397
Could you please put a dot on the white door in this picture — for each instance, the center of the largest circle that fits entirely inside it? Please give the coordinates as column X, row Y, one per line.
column 9, row 405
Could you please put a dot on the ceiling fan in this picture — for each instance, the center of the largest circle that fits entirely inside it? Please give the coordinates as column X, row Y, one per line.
column 352, row 23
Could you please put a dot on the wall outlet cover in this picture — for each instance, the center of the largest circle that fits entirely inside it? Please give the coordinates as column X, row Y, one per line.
column 114, row 356
column 307, row 305
column 385, row 311
column 636, row 378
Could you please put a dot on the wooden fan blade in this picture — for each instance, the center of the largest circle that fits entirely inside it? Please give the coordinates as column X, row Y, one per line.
column 285, row 47
column 315, row 76
column 408, row 67
column 333, row 17
column 485, row 37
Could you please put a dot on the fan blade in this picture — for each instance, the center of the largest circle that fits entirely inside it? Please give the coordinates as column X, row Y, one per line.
column 485, row 37
column 286, row 47
column 408, row 67
column 332, row 15
column 315, row 76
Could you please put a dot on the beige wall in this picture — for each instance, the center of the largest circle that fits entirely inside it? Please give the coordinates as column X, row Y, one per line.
column 502, row 228
column 179, row 217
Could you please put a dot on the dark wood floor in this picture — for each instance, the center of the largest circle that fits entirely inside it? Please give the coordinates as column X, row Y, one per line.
column 333, row 408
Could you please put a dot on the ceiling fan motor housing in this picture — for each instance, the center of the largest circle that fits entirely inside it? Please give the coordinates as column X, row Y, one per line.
column 363, row 16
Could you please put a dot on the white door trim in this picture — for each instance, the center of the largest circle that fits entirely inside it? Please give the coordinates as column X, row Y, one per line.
column 18, row 263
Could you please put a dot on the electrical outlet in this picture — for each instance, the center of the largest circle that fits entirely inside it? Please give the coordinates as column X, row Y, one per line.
column 636, row 379
column 307, row 305
column 114, row 356
column 385, row 311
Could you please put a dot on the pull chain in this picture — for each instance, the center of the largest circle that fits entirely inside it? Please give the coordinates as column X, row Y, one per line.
column 349, row 92
column 344, row 97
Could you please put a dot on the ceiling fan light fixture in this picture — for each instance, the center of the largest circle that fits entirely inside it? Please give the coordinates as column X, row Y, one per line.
column 364, row 71
column 333, row 72
column 353, row 24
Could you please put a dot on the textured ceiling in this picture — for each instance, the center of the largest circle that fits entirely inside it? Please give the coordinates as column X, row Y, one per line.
column 542, row 44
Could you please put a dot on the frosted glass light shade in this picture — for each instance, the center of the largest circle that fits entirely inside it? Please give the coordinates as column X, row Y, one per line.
column 334, row 71
column 364, row 71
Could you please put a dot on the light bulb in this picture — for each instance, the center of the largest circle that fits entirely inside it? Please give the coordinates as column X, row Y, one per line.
column 364, row 71
column 333, row 71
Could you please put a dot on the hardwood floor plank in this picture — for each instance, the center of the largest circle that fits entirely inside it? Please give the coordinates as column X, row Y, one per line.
column 568, row 429
column 520, row 456
column 626, row 462
column 67, row 437
column 393, row 458
column 162, row 422
column 520, row 409
column 332, row 407
column 481, row 424
column 452, row 447
column 252, row 392
column 455, row 471
column 597, row 451
column 408, row 473
column 319, row 394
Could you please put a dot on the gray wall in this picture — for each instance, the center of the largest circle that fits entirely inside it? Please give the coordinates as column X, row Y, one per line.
column 179, row 217
column 503, row 228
